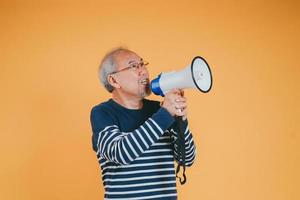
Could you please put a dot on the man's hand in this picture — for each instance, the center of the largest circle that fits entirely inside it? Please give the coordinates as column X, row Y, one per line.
column 175, row 103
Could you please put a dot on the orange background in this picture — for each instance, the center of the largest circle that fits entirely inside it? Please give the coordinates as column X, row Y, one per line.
column 246, row 129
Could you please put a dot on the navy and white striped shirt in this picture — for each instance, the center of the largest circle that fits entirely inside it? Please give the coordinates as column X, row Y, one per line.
column 136, row 150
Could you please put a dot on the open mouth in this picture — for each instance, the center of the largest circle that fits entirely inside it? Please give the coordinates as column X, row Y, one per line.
column 144, row 81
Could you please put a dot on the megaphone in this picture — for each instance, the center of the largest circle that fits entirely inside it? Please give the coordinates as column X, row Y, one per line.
column 197, row 75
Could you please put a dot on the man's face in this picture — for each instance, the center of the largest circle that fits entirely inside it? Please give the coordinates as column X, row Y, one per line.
column 133, row 82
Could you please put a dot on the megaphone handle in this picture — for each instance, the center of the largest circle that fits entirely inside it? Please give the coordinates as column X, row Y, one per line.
column 181, row 149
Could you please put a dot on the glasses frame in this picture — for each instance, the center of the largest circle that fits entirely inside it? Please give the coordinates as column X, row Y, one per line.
column 133, row 67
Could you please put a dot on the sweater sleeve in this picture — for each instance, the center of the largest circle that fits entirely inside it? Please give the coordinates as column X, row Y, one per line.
column 190, row 148
column 123, row 148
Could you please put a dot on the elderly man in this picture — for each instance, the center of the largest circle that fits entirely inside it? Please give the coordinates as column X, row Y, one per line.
column 134, row 138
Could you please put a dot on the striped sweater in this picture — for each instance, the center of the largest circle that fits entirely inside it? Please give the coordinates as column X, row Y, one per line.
column 136, row 150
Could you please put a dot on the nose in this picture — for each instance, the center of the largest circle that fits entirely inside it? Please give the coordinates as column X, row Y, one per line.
column 142, row 71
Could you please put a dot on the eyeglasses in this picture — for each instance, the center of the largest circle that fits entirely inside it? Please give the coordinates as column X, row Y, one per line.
column 133, row 67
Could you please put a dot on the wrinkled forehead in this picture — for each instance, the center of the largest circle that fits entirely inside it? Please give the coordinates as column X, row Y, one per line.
column 125, row 58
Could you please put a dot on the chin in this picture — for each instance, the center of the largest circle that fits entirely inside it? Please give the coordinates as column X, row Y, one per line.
column 145, row 93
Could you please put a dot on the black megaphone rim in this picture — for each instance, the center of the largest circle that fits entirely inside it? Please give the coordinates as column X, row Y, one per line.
column 210, row 74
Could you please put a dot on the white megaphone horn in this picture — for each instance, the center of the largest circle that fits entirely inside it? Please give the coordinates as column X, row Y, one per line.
column 197, row 75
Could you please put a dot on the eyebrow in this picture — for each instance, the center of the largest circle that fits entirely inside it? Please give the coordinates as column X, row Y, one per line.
column 133, row 61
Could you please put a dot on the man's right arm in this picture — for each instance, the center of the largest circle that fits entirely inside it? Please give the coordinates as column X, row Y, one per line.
column 123, row 148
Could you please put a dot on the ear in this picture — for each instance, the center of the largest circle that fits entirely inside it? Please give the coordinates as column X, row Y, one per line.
column 113, row 81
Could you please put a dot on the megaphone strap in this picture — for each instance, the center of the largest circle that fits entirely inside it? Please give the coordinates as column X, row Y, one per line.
column 181, row 150
column 182, row 181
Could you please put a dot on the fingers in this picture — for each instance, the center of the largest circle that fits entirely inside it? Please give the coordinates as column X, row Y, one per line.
column 177, row 91
column 176, row 103
column 181, row 111
column 180, row 105
column 180, row 99
column 181, row 92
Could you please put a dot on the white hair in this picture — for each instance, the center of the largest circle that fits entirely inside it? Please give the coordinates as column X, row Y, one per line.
column 109, row 65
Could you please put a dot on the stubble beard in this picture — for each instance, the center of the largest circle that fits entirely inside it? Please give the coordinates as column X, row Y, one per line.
column 145, row 92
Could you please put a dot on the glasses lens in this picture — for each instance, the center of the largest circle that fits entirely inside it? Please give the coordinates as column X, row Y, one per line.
column 133, row 67
column 136, row 66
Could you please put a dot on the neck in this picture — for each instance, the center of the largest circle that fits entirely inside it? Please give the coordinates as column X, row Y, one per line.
column 127, row 102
